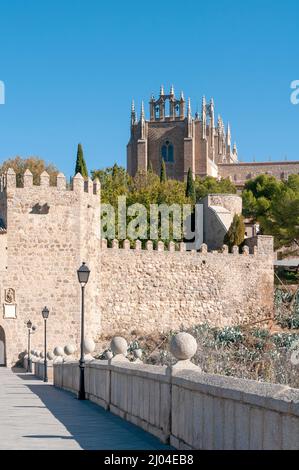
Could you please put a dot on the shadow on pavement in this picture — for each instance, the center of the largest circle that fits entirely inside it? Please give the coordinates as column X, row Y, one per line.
column 89, row 425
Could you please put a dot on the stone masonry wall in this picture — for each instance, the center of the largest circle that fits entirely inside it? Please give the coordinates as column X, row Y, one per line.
column 241, row 172
column 231, row 202
column 45, row 247
column 157, row 134
column 152, row 291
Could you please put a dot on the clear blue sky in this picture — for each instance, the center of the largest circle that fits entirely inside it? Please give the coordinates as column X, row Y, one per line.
column 71, row 68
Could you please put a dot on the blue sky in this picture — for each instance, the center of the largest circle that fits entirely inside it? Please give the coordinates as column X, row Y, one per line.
column 71, row 68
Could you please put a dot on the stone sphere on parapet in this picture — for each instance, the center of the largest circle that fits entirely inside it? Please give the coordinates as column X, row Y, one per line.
column 58, row 351
column 183, row 346
column 138, row 353
column 89, row 345
column 109, row 355
column 69, row 349
column 41, row 354
column 50, row 356
column 119, row 345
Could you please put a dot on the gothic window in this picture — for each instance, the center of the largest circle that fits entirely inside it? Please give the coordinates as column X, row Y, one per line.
column 167, row 152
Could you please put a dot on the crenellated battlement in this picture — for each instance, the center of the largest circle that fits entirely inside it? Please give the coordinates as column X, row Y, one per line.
column 171, row 247
column 8, row 182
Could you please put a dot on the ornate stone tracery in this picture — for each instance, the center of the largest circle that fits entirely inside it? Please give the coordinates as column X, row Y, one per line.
column 9, row 296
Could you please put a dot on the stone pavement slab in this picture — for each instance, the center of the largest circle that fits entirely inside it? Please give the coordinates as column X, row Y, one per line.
column 36, row 415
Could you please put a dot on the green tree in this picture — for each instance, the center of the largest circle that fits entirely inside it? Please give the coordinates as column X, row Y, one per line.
column 34, row 164
column 258, row 194
column 204, row 186
column 236, row 232
column 115, row 182
column 150, row 168
column 80, row 163
column 293, row 183
column 282, row 219
column 163, row 176
column 190, row 188
column 249, row 203
column 145, row 188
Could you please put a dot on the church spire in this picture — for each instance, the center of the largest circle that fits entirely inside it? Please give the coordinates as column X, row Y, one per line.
column 133, row 114
column 152, row 107
column 220, row 125
column 212, row 117
column 212, row 130
column 142, row 122
column 142, row 110
column 189, row 118
column 161, row 90
column 189, row 109
column 228, row 135
column 182, row 106
column 204, row 117
column 171, row 90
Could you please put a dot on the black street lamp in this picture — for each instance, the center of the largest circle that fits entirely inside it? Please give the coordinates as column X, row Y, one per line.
column 31, row 329
column 83, row 275
column 45, row 314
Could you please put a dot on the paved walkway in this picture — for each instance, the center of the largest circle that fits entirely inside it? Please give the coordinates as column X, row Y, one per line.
column 35, row 415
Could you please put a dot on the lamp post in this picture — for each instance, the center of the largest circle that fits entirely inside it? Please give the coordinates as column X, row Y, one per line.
column 83, row 275
column 31, row 329
column 45, row 314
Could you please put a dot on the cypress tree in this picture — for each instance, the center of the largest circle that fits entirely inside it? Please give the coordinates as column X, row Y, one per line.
column 80, row 163
column 236, row 232
column 163, row 176
column 114, row 171
column 150, row 168
column 190, row 188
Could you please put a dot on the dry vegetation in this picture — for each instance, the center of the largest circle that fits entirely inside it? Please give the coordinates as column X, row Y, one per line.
column 251, row 352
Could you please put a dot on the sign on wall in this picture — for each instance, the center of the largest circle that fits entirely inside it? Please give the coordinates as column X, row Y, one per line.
column 9, row 311
column 9, row 307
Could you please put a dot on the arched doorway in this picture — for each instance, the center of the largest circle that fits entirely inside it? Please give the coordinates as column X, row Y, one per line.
column 2, row 348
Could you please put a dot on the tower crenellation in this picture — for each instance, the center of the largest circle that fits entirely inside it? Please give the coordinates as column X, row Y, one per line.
column 8, row 181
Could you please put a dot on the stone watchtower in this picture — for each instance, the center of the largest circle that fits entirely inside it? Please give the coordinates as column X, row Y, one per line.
column 181, row 140
column 45, row 234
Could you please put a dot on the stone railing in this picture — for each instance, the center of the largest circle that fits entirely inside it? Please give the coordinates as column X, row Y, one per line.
column 183, row 406
column 36, row 364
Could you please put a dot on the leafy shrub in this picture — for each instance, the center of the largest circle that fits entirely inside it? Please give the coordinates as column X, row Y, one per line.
column 287, row 309
column 284, row 340
column 228, row 335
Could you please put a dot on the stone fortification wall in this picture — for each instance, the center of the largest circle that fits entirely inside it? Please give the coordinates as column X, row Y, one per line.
column 161, row 290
